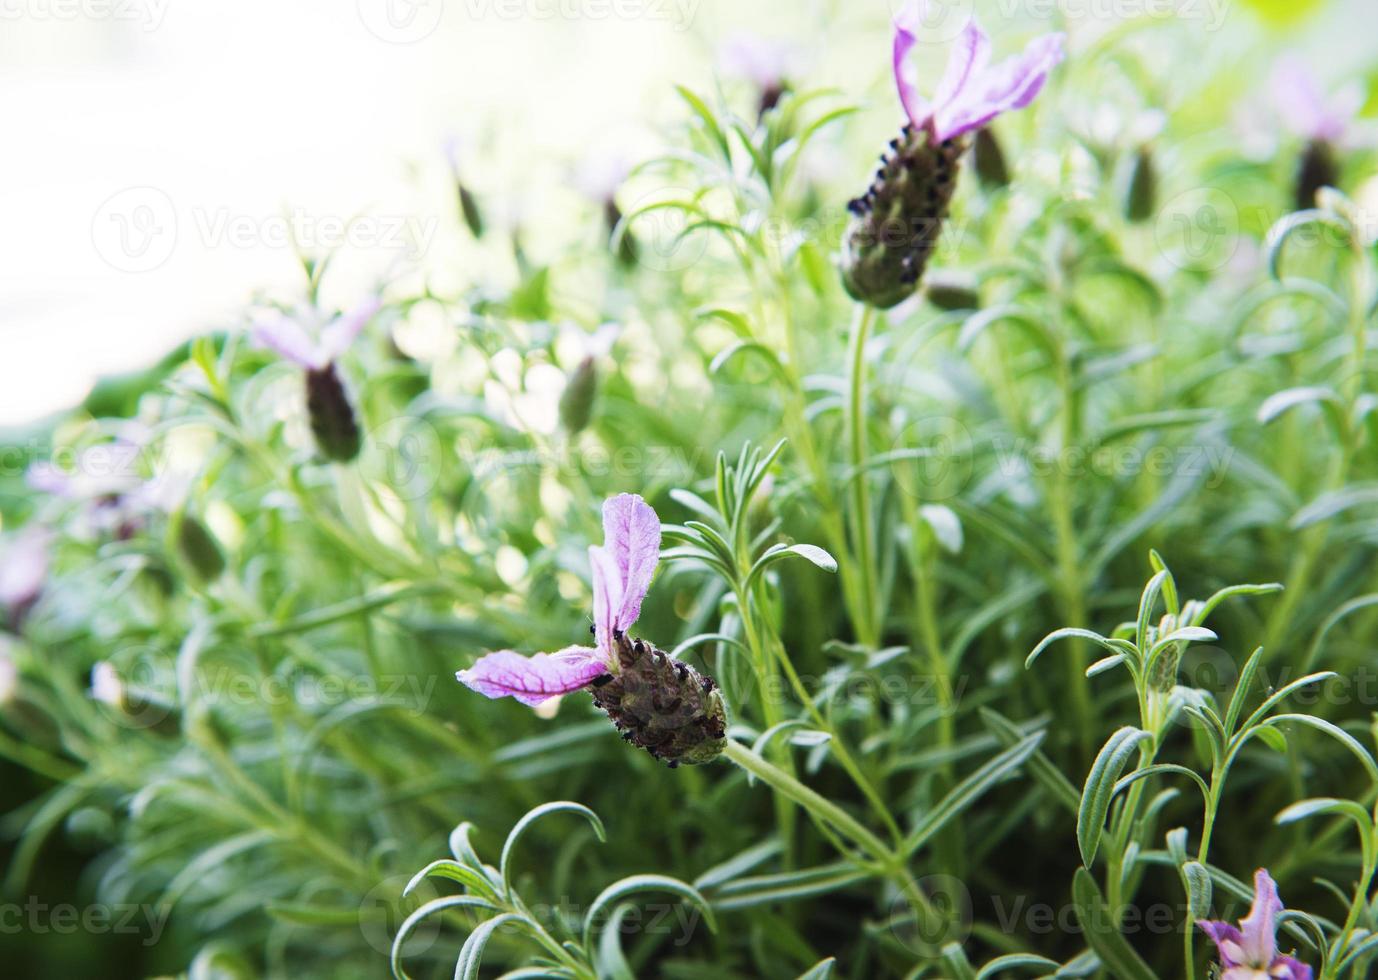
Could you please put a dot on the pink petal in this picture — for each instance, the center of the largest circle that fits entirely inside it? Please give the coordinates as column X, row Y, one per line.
column 968, row 59
column 1227, row 940
column 289, row 339
column 631, row 535
column 532, row 680
column 607, row 595
column 24, row 566
column 1302, row 103
column 907, row 24
column 1012, row 84
column 342, row 331
column 1295, row 969
column 1259, row 928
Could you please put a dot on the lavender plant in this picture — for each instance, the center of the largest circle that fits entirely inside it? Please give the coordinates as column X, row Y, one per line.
column 837, row 510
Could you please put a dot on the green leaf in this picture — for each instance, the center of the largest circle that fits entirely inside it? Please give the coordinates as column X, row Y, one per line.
column 471, row 953
column 1100, row 788
column 610, row 962
column 1197, row 881
column 1072, row 632
column 709, row 120
column 619, row 890
column 969, row 790
column 1325, row 806
column 1335, row 732
column 1016, row 961
column 956, row 959
column 454, row 871
column 1111, row 948
column 409, row 924
column 545, row 809
column 820, row 970
column 1044, row 771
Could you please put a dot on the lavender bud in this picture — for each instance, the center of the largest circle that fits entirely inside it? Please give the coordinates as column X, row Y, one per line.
column 952, row 292
column 896, row 223
column 468, row 207
column 332, row 416
column 1141, row 197
column 627, row 250
column 576, row 403
column 1317, row 168
column 661, row 705
column 199, row 549
column 990, row 160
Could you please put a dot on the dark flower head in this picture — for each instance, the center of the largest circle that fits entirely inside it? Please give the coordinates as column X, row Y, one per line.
column 1250, row 951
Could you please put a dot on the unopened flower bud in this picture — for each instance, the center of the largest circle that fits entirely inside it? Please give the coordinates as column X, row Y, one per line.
column 332, row 416
column 989, row 160
column 1317, row 168
column 576, row 403
column 662, row 705
column 198, row 548
column 468, row 207
column 896, row 223
column 1141, row 195
column 626, row 246
column 949, row 291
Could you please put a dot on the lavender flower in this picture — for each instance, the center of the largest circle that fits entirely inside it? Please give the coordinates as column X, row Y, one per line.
column 23, row 571
column 1250, row 951
column 897, row 221
column 659, row 704
column 332, row 416
column 1322, row 121
column 767, row 63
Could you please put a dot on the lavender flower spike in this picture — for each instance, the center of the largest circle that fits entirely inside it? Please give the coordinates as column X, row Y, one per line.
column 622, row 570
column 332, row 415
column 1250, row 951
column 897, row 221
column 659, row 704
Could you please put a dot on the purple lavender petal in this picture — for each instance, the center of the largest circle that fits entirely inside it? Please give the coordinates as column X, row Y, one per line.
column 1227, row 939
column 631, row 535
column 965, row 63
column 907, row 24
column 24, row 567
column 339, row 333
column 288, row 339
column 1295, row 969
column 532, row 680
column 1259, row 927
column 1012, row 84
column 607, row 595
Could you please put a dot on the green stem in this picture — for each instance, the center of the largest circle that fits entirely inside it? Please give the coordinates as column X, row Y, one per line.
column 868, row 628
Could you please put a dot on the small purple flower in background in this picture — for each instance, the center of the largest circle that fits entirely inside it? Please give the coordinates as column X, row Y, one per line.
column 659, row 704
column 1325, row 122
column 24, row 561
column 896, row 223
column 332, row 415
column 767, row 63
column 598, row 177
column 1250, row 951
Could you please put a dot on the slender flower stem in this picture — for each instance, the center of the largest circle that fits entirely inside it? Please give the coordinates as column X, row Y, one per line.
column 868, row 629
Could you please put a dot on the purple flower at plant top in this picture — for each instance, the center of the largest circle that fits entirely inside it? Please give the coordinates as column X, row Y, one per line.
column 1306, row 108
column 622, row 570
column 1325, row 122
column 333, row 422
column 972, row 91
column 897, row 222
column 1250, row 950
column 658, row 703
column 767, row 63
column 287, row 336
